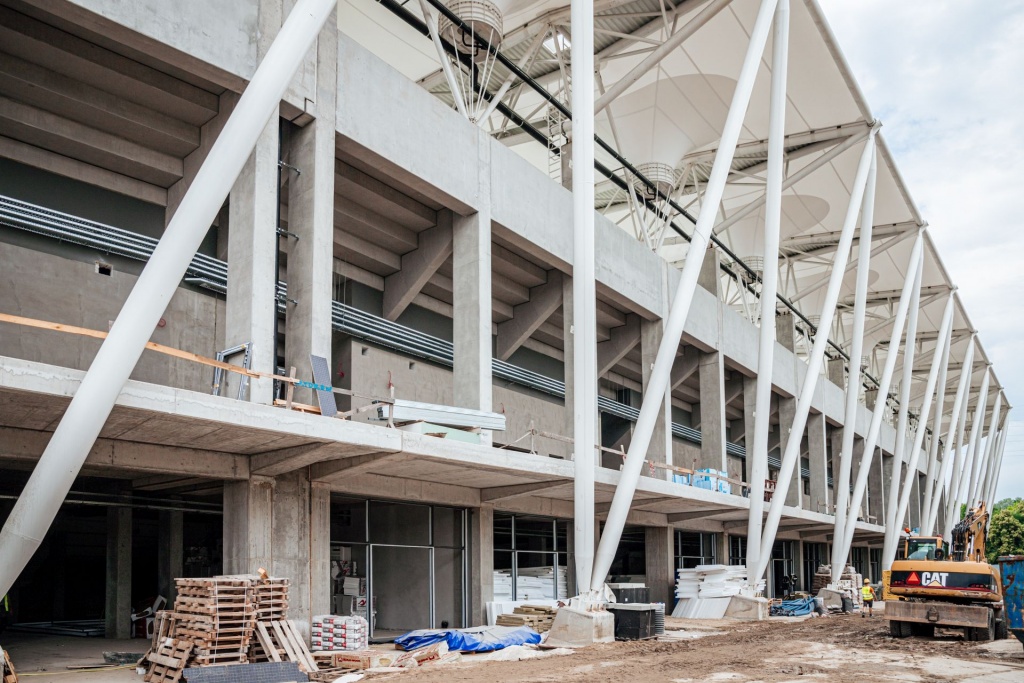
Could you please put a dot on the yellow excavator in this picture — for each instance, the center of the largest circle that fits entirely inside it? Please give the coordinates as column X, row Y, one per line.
column 952, row 587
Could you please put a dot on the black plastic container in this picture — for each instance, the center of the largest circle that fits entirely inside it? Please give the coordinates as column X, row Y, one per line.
column 633, row 621
column 637, row 594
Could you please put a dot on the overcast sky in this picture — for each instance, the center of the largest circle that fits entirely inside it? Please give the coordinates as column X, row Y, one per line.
column 946, row 78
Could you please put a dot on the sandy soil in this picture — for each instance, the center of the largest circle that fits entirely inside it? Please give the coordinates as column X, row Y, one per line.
column 839, row 649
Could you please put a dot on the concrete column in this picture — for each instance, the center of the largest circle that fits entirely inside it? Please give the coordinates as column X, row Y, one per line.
column 749, row 408
column 837, row 454
column 320, row 549
column 119, row 572
column 837, row 372
column 887, row 474
column 471, row 243
column 660, row 449
column 311, row 219
column 248, row 522
column 914, row 508
column 870, row 397
column 785, row 329
column 481, row 563
column 817, row 456
column 252, row 243
column 712, row 410
column 787, row 415
column 711, row 271
column 875, row 497
column 291, row 551
column 568, row 363
column 660, row 557
column 170, row 553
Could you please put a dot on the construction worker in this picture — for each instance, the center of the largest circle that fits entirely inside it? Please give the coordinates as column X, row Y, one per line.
column 867, row 594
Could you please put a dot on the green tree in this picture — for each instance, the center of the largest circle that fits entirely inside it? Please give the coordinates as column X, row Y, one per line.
column 1005, row 503
column 1006, row 531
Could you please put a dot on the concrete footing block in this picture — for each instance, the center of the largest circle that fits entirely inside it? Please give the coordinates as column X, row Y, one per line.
column 747, row 608
column 579, row 628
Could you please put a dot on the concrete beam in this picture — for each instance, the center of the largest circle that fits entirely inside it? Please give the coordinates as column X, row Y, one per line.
column 674, row 517
column 26, row 445
column 330, row 472
column 496, row 493
column 418, row 266
column 273, row 463
column 602, row 508
column 684, row 366
column 622, row 340
column 529, row 316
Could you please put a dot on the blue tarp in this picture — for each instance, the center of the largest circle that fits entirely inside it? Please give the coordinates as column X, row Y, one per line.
column 793, row 608
column 481, row 639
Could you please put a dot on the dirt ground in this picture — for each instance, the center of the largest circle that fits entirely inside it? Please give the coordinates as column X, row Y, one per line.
column 838, row 649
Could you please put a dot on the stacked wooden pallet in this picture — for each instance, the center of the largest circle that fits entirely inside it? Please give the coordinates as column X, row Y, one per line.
column 271, row 596
column 168, row 660
column 7, row 669
column 537, row 617
column 217, row 614
column 280, row 641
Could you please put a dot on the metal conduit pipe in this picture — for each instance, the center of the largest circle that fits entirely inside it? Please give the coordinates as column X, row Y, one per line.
column 772, row 227
column 842, row 499
column 654, row 397
column 814, row 363
column 892, row 533
column 955, row 424
column 120, row 351
column 874, row 428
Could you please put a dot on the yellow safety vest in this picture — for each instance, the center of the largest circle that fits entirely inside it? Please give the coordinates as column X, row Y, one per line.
column 867, row 592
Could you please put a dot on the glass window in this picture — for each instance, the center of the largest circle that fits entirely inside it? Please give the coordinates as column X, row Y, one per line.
column 447, row 527
column 693, row 549
column 534, row 533
column 348, row 520
column 503, row 531
column 737, row 550
column 562, row 535
column 399, row 523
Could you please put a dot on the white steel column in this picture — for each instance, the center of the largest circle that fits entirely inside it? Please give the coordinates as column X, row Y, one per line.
column 961, row 462
column 584, row 339
column 650, row 410
column 990, row 497
column 791, row 457
column 871, row 440
column 892, row 534
column 842, row 486
column 120, row 351
column 769, row 281
column 955, row 425
column 902, row 418
column 930, row 485
column 977, row 434
column 990, row 448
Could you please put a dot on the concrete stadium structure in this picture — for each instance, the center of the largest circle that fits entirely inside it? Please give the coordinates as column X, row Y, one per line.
column 407, row 212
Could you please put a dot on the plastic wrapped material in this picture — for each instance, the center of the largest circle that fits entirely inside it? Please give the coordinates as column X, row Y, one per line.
column 480, row 639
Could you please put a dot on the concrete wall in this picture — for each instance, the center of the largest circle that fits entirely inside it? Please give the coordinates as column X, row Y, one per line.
column 37, row 285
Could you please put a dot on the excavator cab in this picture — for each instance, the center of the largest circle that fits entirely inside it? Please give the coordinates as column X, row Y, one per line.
column 924, row 548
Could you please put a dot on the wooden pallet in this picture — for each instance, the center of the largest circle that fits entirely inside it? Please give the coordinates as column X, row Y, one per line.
column 279, row 641
column 168, row 661
column 7, row 669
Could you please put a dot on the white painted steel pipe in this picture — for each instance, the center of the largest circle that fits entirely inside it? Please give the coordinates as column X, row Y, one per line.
column 791, row 457
column 874, row 429
column 930, row 486
column 654, row 397
column 584, row 293
column 430, row 19
column 892, row 502
column 659, row 54
column 956, row 478
column 758, row 453
column 889, row 554
column 89, row 409
column 990, row 497
column 842, row 487
column 990, row 449
column 955, row 425
column 977, row 434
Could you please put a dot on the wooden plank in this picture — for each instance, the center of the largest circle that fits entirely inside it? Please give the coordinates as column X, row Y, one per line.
column 266, row 642
column 284, row 642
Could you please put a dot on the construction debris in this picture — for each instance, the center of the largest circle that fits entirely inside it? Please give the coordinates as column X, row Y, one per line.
column 537, row 617
column 7, row 669
column 224, row 620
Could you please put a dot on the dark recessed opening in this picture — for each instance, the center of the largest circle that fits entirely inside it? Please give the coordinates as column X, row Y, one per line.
column 104, row 269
